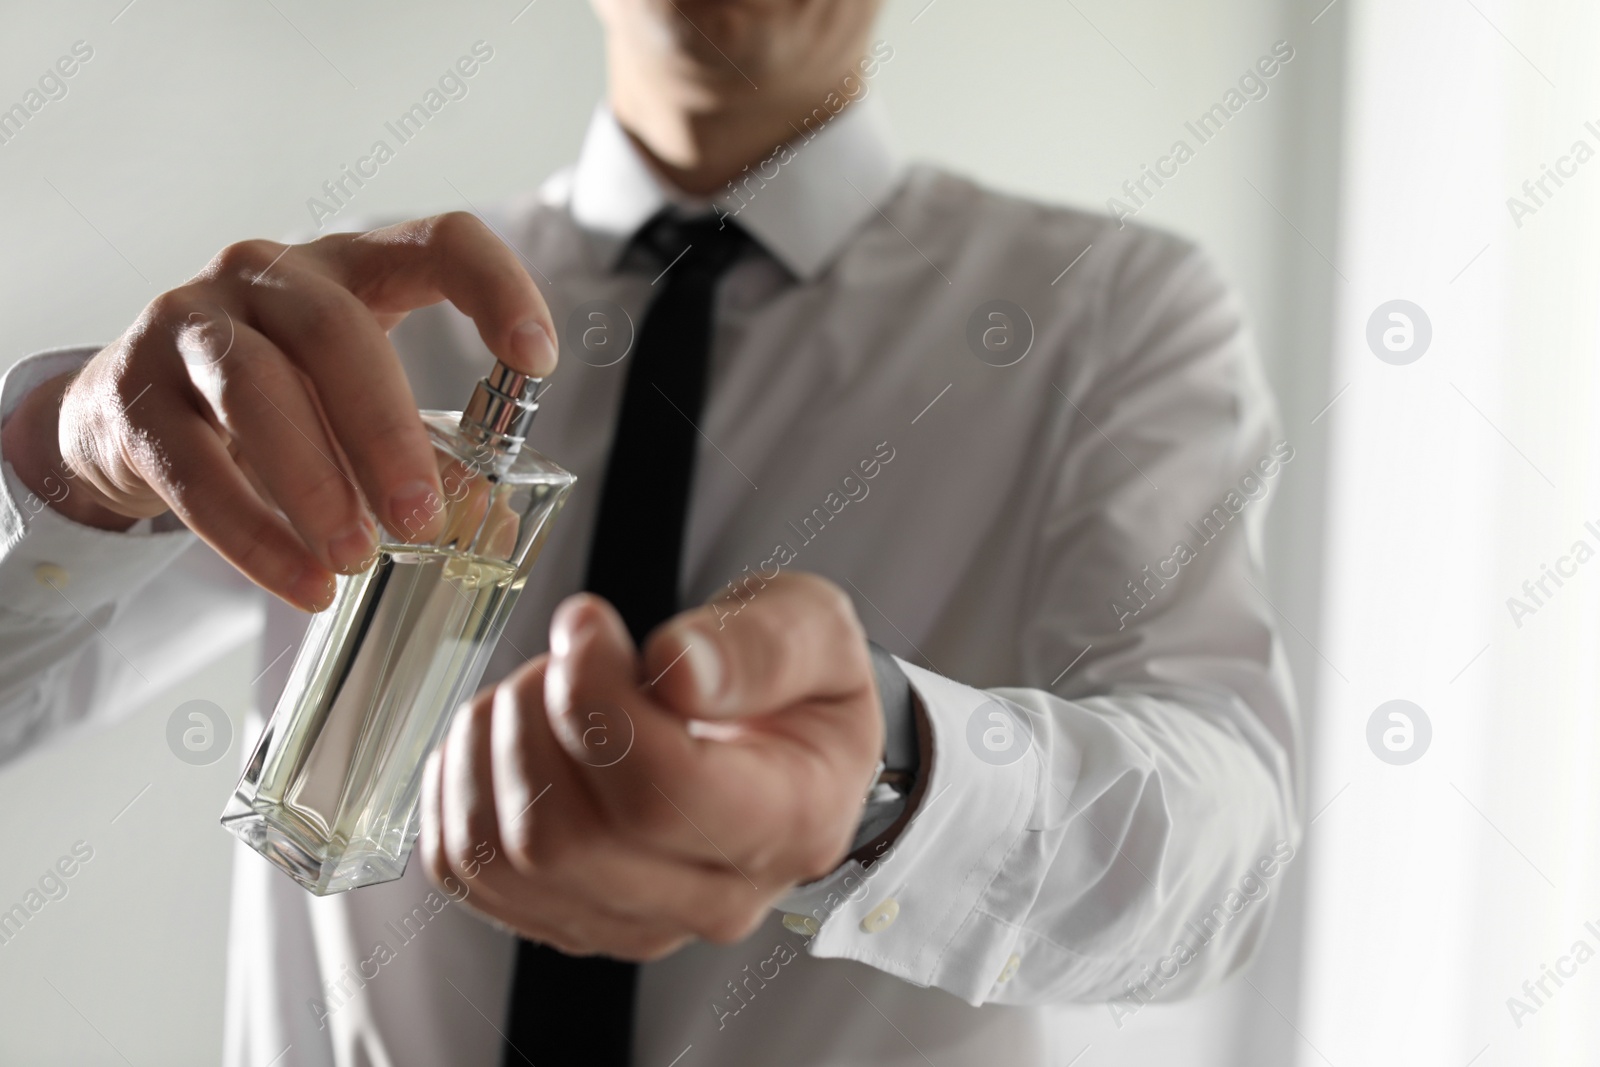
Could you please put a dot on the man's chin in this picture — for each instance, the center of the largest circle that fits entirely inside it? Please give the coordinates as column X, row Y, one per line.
column 724, row 39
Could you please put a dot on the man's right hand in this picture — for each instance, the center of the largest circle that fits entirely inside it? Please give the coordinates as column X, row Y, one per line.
column 264, row 405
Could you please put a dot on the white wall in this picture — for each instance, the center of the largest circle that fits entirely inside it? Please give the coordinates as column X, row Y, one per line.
column 1448, row 883
column 196, row 124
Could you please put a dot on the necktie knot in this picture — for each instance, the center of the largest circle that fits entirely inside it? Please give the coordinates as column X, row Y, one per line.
column 705, row 246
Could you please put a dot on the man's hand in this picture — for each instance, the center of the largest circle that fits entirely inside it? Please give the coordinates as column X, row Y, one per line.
column 263, row 403
column 639, row 802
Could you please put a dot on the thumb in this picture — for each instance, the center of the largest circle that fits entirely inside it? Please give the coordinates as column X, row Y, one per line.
column 799, row 639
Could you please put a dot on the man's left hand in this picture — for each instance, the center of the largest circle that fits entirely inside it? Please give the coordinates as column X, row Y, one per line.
column 632, row 802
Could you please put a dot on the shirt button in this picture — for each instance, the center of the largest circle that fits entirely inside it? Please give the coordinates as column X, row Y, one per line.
column 52, row 575
column 881, row 917
column 801, row 924
column 1009, row 971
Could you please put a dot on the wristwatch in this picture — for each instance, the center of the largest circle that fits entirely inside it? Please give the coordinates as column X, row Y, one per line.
column 898, row 769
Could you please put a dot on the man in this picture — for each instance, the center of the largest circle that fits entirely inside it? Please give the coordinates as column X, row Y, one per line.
column 853, row 399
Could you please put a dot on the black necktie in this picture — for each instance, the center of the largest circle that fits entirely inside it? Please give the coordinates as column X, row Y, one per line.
column 567, row 1012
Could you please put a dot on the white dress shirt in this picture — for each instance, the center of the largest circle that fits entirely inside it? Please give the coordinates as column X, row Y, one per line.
column 1063, row 552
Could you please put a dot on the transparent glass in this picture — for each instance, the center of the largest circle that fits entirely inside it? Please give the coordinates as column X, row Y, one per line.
column 330, row 793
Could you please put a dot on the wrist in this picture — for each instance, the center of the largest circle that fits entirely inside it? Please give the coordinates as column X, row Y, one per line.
column 892, row 801
column 30, row 443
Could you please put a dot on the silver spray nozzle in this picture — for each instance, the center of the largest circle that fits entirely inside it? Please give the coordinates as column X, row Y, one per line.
column 502, row 407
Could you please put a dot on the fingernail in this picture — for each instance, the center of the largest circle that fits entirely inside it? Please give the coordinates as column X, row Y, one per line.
column 351, row 548
column 412, row 509
column 313, row 589
column 704, row 664
column 533, row 345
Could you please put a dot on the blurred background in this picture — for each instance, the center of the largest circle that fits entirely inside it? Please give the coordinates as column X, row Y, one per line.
column 1434, row 160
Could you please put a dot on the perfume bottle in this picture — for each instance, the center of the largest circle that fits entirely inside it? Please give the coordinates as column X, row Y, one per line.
column 330, row 793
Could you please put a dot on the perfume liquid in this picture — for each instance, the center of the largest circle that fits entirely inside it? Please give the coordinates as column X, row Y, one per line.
column 330, row 793
column 403, row 633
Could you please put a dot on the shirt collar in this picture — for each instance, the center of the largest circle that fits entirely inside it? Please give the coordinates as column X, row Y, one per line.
column 802, row 202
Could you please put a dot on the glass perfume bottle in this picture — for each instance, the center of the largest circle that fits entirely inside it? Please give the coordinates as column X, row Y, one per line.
column 330, row 793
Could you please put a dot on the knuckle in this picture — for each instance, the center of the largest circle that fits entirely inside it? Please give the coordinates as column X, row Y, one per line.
column 462, row 851
column 833, row 600
column 454, row 227
column 244, row 258
column 526, row 845
column 520, row 839
column 171, row 308
column 834, row 628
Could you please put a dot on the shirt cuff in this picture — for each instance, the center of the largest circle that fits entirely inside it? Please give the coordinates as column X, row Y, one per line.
column 920, row 909
column 54, row 568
